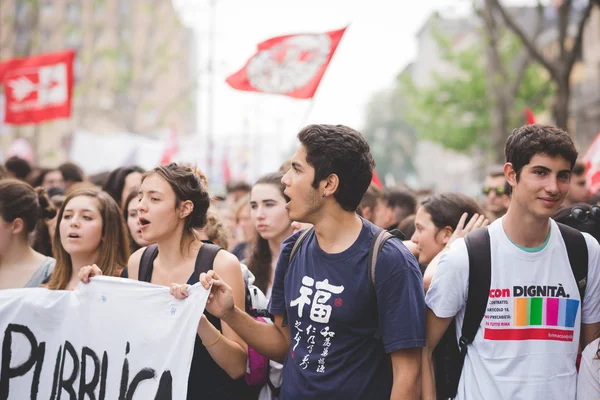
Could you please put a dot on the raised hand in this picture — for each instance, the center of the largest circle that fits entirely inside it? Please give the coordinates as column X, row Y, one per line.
column 476, row 221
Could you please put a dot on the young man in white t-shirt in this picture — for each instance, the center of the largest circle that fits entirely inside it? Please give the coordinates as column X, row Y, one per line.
column 526, row 347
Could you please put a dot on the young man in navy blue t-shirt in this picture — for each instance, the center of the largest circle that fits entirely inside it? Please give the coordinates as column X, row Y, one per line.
column 340, row 334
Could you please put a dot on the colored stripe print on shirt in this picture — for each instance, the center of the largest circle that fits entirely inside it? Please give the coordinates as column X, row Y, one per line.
column 531, row 313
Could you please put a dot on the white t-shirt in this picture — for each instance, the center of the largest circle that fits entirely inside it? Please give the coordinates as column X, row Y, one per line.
column 527, row 345
column 588, row 382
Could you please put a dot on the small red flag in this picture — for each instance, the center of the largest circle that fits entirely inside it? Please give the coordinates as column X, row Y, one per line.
column 38, row 88
column 171, row 148
column 376, row 181
column 290, row 65
column 530, row 117
column 591, row 159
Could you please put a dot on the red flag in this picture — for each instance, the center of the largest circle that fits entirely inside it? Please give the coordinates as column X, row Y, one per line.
column 290, row 65
column 530, row 117
column 170, row 149
column 38, row 88
column 226, row 170
column 376, row 181
column 591, row 159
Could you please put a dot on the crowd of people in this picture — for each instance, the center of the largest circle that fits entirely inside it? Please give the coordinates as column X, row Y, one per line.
column 347, row 290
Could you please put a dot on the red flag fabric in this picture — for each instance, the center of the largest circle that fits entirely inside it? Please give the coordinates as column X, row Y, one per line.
column 376, row 181
column 290, row 65
column 170, row 149
column 530, row 117
column 38, row 88
column 591, row 159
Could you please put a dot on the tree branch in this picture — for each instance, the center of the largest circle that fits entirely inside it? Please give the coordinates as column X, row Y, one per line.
column 525, row 57
column 578, row 41
column 529, row 44
column 564, row 13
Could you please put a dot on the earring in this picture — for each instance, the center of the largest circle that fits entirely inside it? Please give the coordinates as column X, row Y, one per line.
column 323, row 195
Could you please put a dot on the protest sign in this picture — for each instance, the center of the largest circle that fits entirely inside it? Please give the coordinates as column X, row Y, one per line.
column 109, row 339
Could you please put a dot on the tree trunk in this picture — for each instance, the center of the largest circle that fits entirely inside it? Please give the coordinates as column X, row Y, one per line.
column 561, row 102
column 497, row 85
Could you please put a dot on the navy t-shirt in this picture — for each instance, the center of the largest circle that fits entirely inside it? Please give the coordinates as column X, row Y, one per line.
column 333, row 317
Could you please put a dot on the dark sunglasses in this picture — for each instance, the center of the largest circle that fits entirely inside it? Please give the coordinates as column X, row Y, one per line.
column 499, row 190
column 580, row 214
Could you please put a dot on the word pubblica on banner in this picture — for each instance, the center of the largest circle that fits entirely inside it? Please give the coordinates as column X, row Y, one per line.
column 110, row 339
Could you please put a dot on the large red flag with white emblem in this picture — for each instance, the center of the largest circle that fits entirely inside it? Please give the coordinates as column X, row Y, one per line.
column 38, row 88
column 290, row 65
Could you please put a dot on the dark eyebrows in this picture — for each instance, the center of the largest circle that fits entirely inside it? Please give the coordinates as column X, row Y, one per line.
column 150, row 192
column 296, row 164
column 541, row 167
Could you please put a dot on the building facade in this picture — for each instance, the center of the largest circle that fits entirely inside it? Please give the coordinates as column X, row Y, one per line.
column 135, row 68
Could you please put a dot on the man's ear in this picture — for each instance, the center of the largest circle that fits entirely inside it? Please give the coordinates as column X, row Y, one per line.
column 330, row 185
column 186, row 208
column 510, row 174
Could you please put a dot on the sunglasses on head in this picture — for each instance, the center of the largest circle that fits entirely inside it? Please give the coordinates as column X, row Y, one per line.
column 581, row 214
column 498, row 190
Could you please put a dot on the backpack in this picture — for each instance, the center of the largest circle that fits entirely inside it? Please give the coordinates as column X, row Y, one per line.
column 449, row 356
column 379, row 240
column 255, row 302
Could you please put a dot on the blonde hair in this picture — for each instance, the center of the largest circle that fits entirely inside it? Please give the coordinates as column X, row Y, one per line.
column 215, row 229
column 114, row 247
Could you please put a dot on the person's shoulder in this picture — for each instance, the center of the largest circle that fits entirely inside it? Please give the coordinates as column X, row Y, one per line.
column 225, row 261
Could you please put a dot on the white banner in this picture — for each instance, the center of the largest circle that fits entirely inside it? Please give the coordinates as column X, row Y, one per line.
column 112, row 339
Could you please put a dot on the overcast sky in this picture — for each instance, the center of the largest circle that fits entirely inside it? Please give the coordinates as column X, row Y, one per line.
column 379, row 43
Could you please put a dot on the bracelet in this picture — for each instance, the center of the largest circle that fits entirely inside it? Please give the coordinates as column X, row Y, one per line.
column 213, row 343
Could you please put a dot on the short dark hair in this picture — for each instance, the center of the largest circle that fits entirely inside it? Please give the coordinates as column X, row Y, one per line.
column 529, row 140
column 495, row 171
column 19, row 167
column 446, row 209
column 579, row 168
column 369, row 199
column 340, row 150
column 401, row 199
column 116, row 181
column 242, row 186
column 71, row 172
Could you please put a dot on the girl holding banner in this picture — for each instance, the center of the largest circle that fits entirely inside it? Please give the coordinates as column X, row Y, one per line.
column 173, row 202
column 21, row 207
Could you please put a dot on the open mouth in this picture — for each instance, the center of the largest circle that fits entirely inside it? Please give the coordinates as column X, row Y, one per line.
column 143, row 222
column 74, row 236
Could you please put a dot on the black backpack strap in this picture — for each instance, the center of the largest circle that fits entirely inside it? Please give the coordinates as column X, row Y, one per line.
column 148, row 256
column 206, row 258
column 376, row 245
column 578, row 255
column 299, row 242
column 480, row 276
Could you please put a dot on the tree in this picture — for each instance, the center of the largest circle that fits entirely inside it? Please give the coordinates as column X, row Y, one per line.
column 391, row 137
column 475, row 107
column 559, row 67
